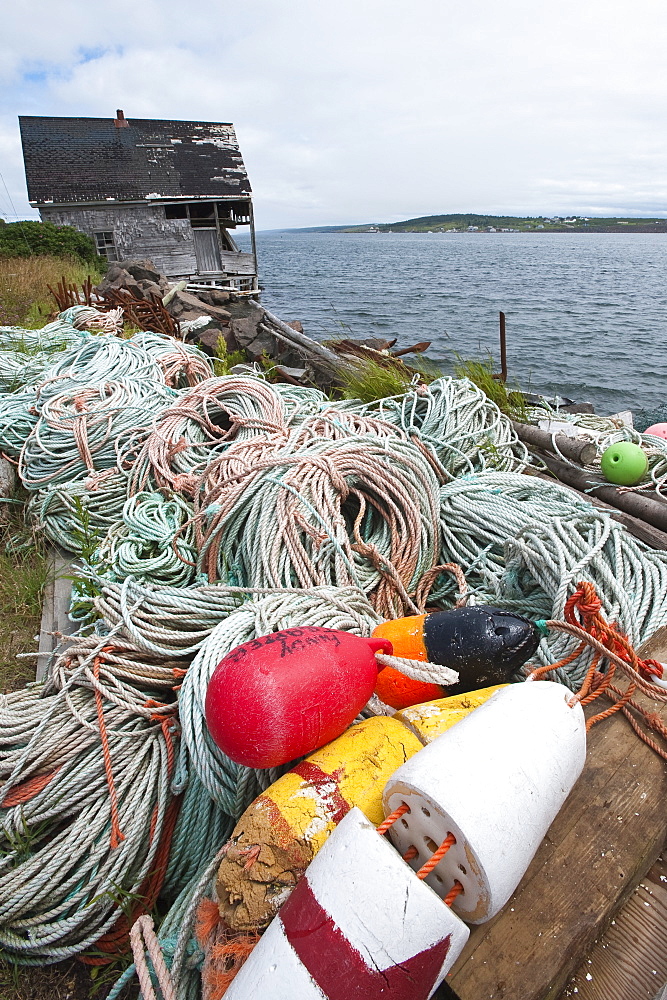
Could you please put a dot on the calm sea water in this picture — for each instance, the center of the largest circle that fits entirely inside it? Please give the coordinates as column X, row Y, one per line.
column 586, row 315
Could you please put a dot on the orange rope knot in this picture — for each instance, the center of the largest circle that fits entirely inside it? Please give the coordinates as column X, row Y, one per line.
column 613, row 649
column 117, row 836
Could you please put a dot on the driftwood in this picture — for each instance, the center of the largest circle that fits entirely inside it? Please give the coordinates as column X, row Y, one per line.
column 577, row 450
column 637, row 504
column 423, row 345
column 299, row 341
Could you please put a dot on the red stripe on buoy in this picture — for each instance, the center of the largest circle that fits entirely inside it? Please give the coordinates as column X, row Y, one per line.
column 339, row 969
column 326, row 786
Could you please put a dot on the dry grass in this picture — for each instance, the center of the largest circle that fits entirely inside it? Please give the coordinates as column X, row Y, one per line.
column 25, row 299
column 65, row 981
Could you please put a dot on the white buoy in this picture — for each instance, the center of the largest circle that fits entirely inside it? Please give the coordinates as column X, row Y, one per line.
column 496, row 781
column 358, row 924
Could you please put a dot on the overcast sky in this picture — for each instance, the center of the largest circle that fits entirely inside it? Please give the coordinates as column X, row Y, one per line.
column 352, row 111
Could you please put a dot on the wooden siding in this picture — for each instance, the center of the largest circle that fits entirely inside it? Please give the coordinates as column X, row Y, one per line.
column 139, row 232
column 144, row 232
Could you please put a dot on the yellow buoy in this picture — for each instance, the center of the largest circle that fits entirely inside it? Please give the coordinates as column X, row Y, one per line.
column 278, row 835
column 435, row 717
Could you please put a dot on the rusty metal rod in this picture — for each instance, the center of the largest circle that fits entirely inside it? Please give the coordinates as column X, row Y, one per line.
column 503, row 348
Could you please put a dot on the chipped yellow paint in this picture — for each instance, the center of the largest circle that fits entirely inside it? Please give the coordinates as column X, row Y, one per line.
column 435, row 717
column 354, row 770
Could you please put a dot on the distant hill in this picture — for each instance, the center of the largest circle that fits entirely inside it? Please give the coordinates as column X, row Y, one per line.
column 500, row 223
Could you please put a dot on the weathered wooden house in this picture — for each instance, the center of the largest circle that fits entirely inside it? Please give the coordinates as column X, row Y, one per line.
column 170, row 191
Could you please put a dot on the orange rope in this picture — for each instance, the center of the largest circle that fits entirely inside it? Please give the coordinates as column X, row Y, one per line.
column 116, row 941
column 583, row 614
column 652, row 719
column 391, row 819
column 455, row 891
column 116, row 834
column 411, row 853
column 426, row 869
column 28, row 789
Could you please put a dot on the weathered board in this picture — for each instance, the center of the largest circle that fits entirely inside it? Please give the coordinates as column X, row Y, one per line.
column 629, row 962
column 55, row 608
column 608, row 834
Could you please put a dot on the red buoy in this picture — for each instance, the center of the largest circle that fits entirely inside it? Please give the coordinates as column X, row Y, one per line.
column 282, row 695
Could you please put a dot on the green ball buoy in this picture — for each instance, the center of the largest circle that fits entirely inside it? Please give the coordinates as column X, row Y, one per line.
column 624, row 463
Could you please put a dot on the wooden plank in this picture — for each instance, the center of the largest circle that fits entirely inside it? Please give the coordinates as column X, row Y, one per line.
column 55, row 608
column 609, row 833
column 629, row 962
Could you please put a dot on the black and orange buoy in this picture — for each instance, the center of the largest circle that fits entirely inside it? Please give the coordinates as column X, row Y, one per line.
column 485, row 645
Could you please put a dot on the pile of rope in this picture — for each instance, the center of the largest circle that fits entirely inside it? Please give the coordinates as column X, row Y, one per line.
column 525, row 545
column 190, row 433
column 343, row 501
column 208, row 511
column 86, row 810
column 79, row 433
column 456, row 422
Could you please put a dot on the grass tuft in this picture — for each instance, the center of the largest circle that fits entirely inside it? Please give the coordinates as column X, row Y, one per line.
column 368, row 380
column 508, row 400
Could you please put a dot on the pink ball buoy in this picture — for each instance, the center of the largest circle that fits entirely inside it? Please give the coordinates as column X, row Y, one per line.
column 282, row 695
column 658, row 430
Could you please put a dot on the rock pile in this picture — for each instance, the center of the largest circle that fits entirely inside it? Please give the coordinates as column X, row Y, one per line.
column 138, row 277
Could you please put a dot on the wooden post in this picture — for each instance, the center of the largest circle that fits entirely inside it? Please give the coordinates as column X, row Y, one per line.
column 503, row 348
column 253, row 243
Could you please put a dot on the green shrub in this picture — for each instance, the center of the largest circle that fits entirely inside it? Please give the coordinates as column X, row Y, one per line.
column 44, row 239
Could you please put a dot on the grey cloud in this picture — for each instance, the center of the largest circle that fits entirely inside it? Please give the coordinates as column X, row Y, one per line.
column 365, row 111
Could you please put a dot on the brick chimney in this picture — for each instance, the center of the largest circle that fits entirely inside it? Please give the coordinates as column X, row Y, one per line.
column 120, row 121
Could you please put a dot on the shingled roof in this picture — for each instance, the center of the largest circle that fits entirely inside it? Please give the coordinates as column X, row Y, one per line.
column 79, row 160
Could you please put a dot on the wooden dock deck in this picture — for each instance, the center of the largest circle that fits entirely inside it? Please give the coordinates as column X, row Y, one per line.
column 608, row 835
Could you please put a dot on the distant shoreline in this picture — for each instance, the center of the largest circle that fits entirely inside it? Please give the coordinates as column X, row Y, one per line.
column 639, row 230
column 471, row 223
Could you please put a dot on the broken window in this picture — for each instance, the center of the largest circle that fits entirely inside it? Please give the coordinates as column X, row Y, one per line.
column 106, row 245
column 176, row 211
column 208, row 214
